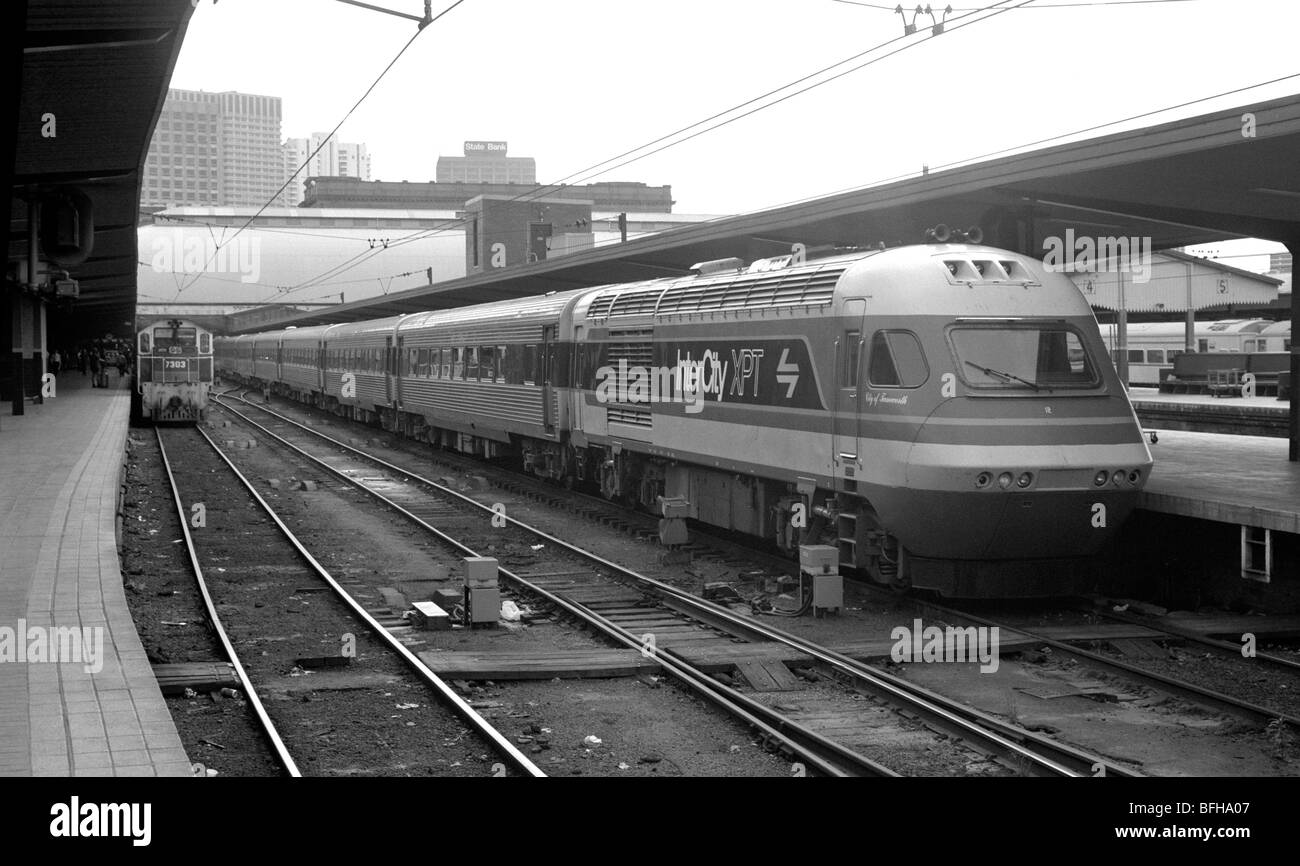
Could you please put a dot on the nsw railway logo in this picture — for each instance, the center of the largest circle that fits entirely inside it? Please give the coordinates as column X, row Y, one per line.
column 1084, row 254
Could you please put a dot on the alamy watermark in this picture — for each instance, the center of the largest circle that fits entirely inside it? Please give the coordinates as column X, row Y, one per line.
column 950, row 644
column 34, row 644
column 191, row 253
column 1083, row 254
column 688, row 381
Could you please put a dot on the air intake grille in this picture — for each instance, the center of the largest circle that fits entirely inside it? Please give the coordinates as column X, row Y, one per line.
column 788, row 288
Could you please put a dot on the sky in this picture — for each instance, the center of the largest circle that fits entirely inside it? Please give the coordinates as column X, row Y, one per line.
column 573, row 83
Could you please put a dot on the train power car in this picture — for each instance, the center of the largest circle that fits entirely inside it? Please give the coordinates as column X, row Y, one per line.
column 943, row 415
column 173, row 372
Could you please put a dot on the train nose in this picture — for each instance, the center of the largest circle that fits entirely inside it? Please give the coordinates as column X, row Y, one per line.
column 989, row 486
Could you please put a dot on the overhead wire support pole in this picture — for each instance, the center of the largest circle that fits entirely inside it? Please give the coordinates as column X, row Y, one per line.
column 423, row 22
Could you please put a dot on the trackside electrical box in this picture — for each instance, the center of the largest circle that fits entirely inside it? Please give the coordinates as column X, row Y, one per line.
column 482, row 592
column 820, row 564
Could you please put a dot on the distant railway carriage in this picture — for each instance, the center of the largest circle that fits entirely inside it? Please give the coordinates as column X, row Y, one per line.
column 173, row 373
column 1275, row 338
column 943, row 415
column 1152, row 346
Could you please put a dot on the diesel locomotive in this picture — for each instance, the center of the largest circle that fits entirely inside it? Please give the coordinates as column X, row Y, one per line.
column 173, row 372
column 945, row 415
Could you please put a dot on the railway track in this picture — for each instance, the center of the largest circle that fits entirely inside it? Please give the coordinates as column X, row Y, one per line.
column 399, row 488
column 1181, row 688
column 274, row 647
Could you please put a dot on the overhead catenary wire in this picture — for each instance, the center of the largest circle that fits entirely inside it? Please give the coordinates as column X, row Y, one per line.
column 664, row 142
column 334, row 131
column 943, row 166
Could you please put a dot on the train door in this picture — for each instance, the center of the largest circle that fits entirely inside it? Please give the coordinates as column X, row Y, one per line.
column 576, row 380
column 390, row 369
column 548, row 374
column 846, row 462
column 320, row 366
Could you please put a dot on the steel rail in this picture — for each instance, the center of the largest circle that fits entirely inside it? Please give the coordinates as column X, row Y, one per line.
column 462, row 708
column 1226, row 647
column 268, row 726
column 1000, row 736
column 1191, row 691
column 824, row 755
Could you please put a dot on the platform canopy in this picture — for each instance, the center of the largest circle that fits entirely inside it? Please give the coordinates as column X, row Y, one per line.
column 1173, row 282
column 1192, row 181
column 92, row 77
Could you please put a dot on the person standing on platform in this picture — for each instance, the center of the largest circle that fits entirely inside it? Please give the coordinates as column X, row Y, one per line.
column 56, row 361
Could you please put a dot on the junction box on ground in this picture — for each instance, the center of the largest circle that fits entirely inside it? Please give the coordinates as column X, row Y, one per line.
column 821, row 564
column 482, row 592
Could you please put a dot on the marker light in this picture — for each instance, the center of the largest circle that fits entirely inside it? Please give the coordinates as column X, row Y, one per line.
column 1117, row 477
column 1025, row 479
column 1004, row 480
column 983, row 479
column 1135, row 476
column 1100, row 478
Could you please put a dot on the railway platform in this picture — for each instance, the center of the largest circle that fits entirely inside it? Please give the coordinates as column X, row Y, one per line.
column 1245, row 480
column 1206, row 413
column 77, row 694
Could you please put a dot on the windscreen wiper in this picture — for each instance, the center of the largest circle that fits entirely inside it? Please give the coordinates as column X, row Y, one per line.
column 1002, row 374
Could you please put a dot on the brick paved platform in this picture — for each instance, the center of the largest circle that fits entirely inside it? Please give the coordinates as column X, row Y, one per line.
column 60, row 467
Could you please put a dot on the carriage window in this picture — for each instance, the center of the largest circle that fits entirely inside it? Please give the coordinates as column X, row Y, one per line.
column 205, row 343
column 1135, row 356
column 446, row 364
column 458, row 363
column 471, row 363
column 501, row 363
column 896, row 360
column 1155, row 356
column 487, row 363
column 1202, row 345
column 850, row 351
column 1022, row 356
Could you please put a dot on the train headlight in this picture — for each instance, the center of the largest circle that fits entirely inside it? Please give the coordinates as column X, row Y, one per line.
column 1025, row 479
column 984, row 479
column 1135, row 476
column 1100, row 478
column 1117, row 477
column 1004, row 480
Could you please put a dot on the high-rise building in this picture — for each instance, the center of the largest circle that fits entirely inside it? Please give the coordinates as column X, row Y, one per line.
column 214, row 149
column 334, row 159
column 485, row 162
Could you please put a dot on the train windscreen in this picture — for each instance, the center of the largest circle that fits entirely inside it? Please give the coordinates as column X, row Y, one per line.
column 1018, row 356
